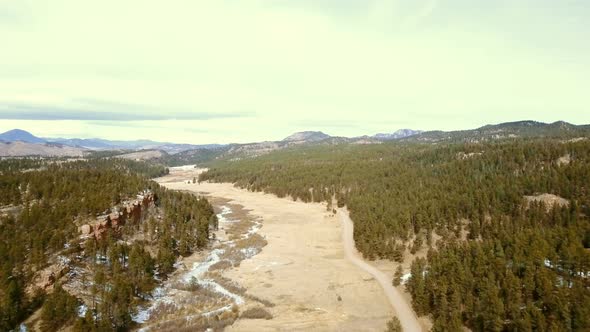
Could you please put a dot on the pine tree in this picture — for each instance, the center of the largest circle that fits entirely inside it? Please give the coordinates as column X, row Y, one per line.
column 397, row 276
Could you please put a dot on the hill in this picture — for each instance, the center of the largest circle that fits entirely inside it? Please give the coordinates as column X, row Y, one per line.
column 20, row 135
column 143, row 155
column 401, row 133
column 88, row 143
column 503, row 131
column 306, row 136
column 508, row 130
column 104, row 144
column 21, row 149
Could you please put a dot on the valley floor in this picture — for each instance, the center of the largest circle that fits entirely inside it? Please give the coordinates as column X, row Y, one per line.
column 304, row 269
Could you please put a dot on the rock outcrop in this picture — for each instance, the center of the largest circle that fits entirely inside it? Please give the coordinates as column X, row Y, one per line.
column 44, row 279
column 549, row 200
column 564, row 160
column 129, row 211
column 86, row 229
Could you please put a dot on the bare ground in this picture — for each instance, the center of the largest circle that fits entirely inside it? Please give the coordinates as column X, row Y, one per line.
column 303, row 271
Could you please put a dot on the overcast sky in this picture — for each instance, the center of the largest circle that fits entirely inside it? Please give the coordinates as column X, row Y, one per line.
column 204, row 71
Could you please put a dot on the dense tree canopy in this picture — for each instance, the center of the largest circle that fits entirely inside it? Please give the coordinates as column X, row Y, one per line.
column 45, row 199
column 501, row 263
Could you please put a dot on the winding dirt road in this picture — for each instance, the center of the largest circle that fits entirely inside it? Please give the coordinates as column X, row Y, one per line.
column 310, row 270
column 405, row 314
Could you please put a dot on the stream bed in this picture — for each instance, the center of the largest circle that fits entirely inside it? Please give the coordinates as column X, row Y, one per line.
column 198, row 289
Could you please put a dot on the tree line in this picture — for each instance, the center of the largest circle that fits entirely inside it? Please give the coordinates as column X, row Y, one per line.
column 495, row 262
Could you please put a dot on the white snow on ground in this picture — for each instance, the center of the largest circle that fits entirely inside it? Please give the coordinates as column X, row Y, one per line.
column 405, row 278
column 217, row 311
column 197, row 273
column 548, row 263
column 63, row 260
column 183, row 168
column 141, row 316
column 82, row 309
column 250, row 252
column 219, row 289
column 254, row 229
column 199, row 269
column 221, row 217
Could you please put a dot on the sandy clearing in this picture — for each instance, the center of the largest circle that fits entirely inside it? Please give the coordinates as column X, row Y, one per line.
column 303, row 270
column 404, row 312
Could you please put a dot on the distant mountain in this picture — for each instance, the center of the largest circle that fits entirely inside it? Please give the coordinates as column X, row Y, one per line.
column 91, row 143
column 173, row 148
column 196, row 156
column 18, row 135
column 103, row 144
column 144, row 155
column 507, row 130
column 177, row 154
column 401, row 133
column 20, row 149
column 306, row 136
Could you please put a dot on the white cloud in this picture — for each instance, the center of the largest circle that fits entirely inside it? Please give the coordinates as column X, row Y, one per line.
column 378, row 65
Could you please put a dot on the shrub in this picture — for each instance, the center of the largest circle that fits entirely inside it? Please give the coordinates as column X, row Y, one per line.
column 256, row 313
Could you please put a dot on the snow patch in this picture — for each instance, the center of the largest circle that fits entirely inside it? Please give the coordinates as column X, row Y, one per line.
column 217, row 311
column 141, row 316
column 183, row 168
column 250, row 252
column 221, row 217
column 82, row 309
column 196, row 274
column 63, row 260
column 404, row 278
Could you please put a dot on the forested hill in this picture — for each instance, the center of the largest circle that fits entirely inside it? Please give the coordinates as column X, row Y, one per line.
column 507, row 130
column 46, row 262
column 488, row 133
column 500, row 259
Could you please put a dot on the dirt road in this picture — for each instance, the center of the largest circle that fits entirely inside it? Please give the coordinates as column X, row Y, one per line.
column 404, row 312
column 305, row 270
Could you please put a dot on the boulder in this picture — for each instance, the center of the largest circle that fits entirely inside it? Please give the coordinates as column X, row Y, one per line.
column 48, row 276
column 101, row 228
column 85, row 229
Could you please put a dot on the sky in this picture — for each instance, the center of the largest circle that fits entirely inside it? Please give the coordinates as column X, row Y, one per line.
column 221, row 71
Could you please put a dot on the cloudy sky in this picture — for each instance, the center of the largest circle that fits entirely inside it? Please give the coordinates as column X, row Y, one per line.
column 203, row 71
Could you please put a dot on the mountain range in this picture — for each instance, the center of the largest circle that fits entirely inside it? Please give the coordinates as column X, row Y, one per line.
column 29, row 144
column 18, row 135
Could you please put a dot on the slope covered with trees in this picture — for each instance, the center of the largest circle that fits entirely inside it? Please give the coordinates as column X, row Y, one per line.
column 48, row 198
column 496, row 261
